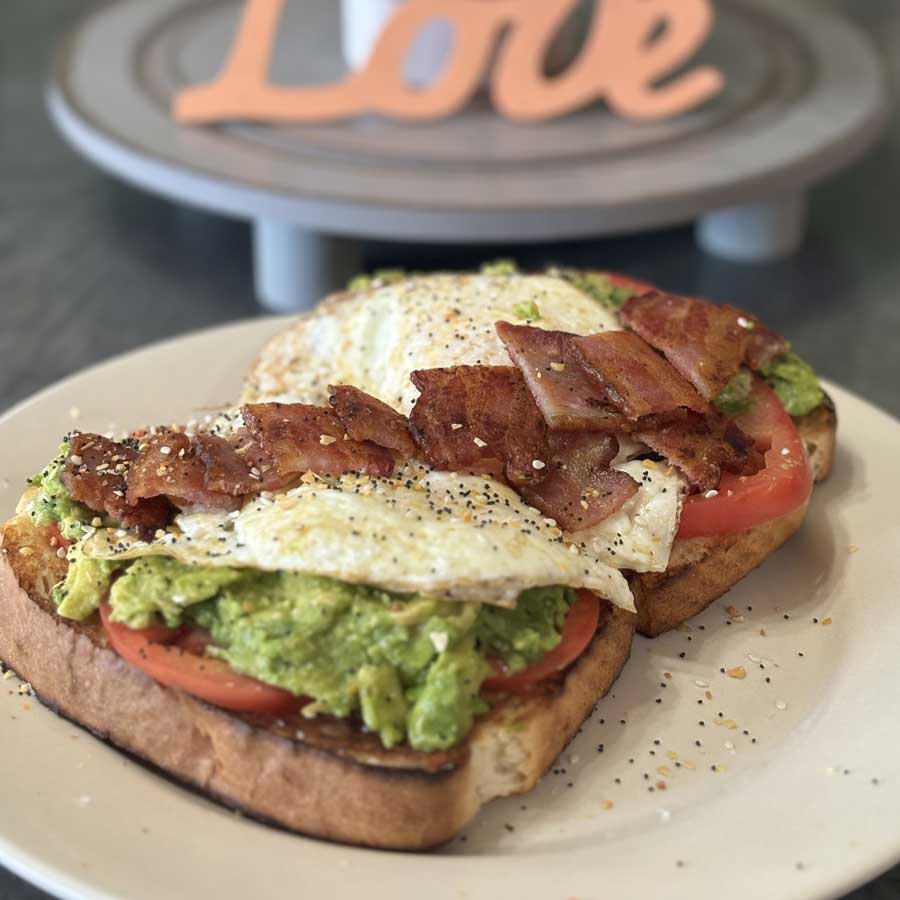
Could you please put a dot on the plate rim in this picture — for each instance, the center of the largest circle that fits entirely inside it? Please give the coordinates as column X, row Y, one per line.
column 29, row 865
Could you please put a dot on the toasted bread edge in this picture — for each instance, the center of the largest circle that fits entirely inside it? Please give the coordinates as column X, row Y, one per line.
column 323, row 793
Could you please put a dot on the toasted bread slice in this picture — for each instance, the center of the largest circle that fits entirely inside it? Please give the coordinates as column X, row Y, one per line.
column 703, row 569
column 324, row 777
column 321, row 777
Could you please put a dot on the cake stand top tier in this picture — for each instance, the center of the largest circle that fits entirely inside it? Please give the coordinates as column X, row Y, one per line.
column 804, row 96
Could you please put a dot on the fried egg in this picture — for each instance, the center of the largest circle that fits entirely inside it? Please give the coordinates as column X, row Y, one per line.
column 454, row 536
column 373, row 340
column 639, row 536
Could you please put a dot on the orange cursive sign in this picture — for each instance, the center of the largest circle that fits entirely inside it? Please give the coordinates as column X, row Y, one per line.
column 631, row 46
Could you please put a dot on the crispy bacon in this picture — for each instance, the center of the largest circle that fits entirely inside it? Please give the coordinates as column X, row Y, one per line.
column 569, row 398
column 635, row 389
column 612, row 381
column 703, row 448
column 706, row 342
column 261, row 464
column 366, row 418
column 302, row 438
column 95, row 475
column 226, row 471
column 167, row 465
column 638, row 382
column 580, row 489
column 468, row 414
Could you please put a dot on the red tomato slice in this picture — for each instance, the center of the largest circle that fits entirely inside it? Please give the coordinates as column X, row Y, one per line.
column 209, row 679
column 625, row 281
column 745, row 501
column 194, row 640
column 53, row 528
column 578, row 631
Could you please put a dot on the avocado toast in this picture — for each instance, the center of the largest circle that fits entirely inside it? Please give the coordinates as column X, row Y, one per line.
column 409, row 770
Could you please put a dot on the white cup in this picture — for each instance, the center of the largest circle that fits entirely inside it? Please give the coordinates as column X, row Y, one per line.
column 362, row 22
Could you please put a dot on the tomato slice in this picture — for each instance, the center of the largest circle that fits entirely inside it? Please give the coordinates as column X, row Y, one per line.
column 53, row 528
column 633, row 284
column 578, row 631
column 151, row 650
column 744, row 501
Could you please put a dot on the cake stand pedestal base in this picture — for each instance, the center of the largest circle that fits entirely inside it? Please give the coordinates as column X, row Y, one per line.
column 295, row 267
column 757, row 232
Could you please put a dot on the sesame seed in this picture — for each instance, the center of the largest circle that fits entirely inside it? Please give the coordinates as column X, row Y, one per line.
column 710, row 494
column 439, row 640
column 538, row 464
column 479, row 442
column 76, row 460
column 326, row 440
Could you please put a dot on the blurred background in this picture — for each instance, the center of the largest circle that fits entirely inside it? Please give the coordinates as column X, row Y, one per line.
column 90, row 267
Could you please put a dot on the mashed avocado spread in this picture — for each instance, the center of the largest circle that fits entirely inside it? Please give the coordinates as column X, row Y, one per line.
column 411, row 666
column 791, row 377
column 53, row 502
column 795, row 382
column 598, row 287
column 736, row 395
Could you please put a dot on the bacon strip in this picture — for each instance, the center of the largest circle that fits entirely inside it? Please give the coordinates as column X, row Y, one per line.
column 569, row 398
column 468, row 414
column 702, row 449
column 95, row 475
column 580, row 490
column 706, row 342
column 366, row 418
column 619, row 382
column 302, row 438
column 638, row 382
column 612, row 381
column 261, row 464
column 168, row 466
column 226, row 471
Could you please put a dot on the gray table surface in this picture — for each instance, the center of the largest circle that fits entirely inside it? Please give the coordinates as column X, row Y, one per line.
column 90, row 268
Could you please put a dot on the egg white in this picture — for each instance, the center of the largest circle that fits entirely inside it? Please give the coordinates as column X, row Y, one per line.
column 639, row 536
column 455, row 536
column 373, row 340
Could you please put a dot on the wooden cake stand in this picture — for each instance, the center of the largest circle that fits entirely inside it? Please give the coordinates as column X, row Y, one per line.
column 805, row 96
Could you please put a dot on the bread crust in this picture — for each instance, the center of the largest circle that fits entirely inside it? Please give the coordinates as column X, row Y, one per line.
column 703, row 569
column 321, row 784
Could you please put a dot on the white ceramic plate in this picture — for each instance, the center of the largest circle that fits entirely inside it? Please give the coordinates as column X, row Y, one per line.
column 802, row 801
